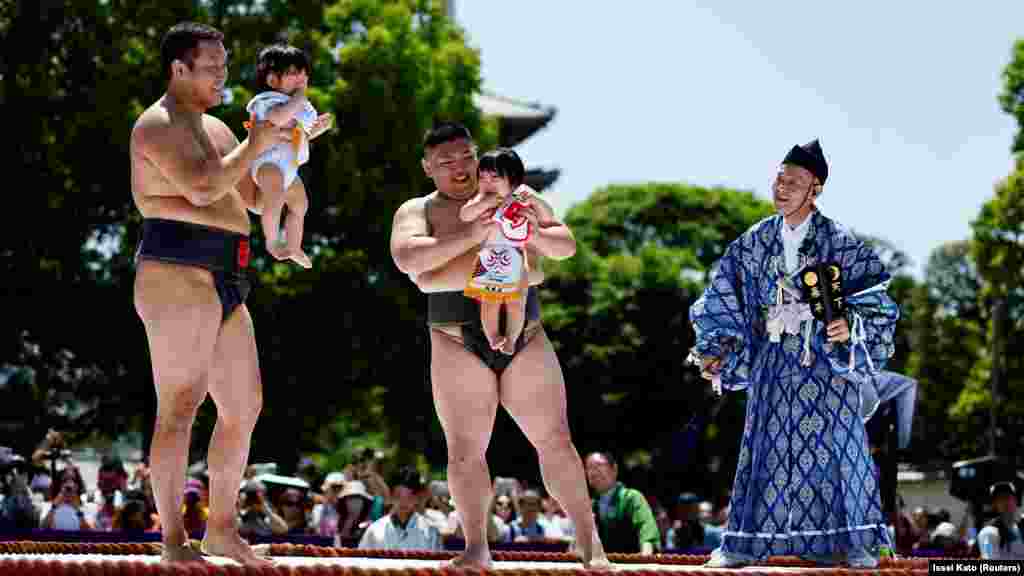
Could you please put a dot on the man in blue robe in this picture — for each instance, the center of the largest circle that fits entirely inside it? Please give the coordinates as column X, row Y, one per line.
column 805, row 483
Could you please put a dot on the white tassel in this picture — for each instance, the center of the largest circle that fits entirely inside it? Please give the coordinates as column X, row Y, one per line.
column 859, row 337
column 806, row 361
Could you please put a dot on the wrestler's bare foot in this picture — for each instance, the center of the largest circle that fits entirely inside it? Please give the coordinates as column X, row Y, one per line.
column 478, row 558
column 232, row 546
column 601, row 563
column 180, row 553
column 300, row 258
column 278, row 251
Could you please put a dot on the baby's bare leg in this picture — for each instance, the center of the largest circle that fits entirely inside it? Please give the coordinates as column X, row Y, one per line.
column 297, row 203
column 515, row 320
column 515, row 314
column 489, row 312
column 271, row 182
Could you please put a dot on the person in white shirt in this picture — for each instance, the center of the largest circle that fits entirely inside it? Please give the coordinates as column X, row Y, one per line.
column 404, row 528
column 1001, row 539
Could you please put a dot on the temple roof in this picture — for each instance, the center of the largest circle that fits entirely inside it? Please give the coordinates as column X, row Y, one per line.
column 539, row 178
column 518, row 120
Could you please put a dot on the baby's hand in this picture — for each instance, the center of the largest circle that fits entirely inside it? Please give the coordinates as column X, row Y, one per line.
column 523, row 192
column 493, row 201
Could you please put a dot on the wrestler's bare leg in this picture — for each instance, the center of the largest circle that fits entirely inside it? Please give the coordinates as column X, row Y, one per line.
column 271, row 183
column 489, row 314
column 237, row 390
column 298, row 204
column 532, row 389
column 466, row 399
column 179, row 308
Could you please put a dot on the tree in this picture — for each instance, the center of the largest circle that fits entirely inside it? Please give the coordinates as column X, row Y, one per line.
column 947, row 338
column 618, row 315
column 384, row 68
column 998, row 250
column 1012, row 96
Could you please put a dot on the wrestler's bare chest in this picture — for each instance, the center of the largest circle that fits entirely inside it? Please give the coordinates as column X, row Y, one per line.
column 443, row 216
column 157, row 197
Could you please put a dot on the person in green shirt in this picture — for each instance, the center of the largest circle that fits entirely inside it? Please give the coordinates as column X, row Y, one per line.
column 625, row 521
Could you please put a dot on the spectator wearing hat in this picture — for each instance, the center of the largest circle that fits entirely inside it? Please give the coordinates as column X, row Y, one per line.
column 404, row 528
column 324, row 518
column 438, row 508
column 257, row 518
column 1001, row 539
column 292, row 506
column 354, row 506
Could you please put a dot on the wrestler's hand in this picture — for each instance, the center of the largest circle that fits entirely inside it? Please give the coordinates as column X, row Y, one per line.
column 531, row 215
column 482, row 227
column 709, row 367
column 838, row 331
column 322, row 124
column 264, row 135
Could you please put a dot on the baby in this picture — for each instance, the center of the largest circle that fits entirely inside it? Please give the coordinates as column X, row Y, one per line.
column 281, row 79
column 501, row 273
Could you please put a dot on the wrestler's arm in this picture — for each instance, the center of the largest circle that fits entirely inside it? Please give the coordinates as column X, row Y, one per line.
column 414, row 252
column 477, row 206
column 203, row 180
column 453, row 276
column 545, row 213
column 552, row 238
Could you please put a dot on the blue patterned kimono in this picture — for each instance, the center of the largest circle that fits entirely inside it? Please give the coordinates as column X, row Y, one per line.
column 805, row 482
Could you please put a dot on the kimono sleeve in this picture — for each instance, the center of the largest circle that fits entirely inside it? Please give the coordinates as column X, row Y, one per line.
column 870, row 313
column 722, row 322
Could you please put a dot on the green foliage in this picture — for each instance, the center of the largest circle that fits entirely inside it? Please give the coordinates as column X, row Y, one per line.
column 385, row 69
column 343, row 348
column 618, row 315
column 1012, row 96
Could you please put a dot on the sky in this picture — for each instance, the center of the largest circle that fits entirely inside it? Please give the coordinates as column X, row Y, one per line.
column 902, row 95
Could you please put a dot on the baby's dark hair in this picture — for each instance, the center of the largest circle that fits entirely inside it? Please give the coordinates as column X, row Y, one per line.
column 278, row 58
column 505, row 163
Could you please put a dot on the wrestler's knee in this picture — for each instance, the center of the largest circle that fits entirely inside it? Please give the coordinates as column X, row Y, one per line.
column 555, row 441
column 242, row 415
column 464, row 453
column 177, row 408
